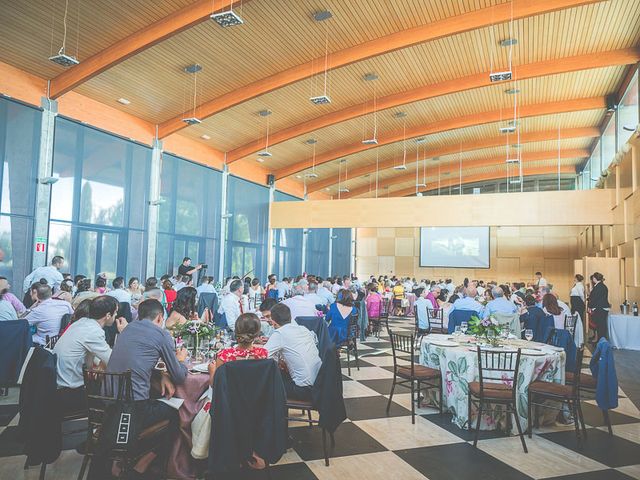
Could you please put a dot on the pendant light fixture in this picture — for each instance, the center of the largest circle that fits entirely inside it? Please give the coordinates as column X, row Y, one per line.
column 403, row 165
column 228, row 18
column 507, row 74
column 265, row 153
column 193, row 118
column 343, row 188
column 323, row 99
column 373, row 140
column 312, row 173
column 423, row 183
column 61, row 58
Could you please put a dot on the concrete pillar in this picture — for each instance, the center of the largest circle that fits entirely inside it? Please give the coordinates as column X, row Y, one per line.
column 223, row 223
column 154, row 206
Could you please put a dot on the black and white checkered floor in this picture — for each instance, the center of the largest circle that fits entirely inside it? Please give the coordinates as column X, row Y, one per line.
column 375, row 446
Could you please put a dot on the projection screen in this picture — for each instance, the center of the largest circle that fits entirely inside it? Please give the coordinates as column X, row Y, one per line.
column 454, row 247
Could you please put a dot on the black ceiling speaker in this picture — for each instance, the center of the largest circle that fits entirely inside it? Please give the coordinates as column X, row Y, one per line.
column 271, row 179
column 612, row 103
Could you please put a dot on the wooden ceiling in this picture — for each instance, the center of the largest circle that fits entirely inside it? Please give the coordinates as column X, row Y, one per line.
column 432, row 59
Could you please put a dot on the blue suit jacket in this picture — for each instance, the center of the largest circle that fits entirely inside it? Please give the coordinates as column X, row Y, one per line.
column 604, row 369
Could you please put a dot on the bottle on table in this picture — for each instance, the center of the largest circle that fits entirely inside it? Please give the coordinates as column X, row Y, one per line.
column 635, row 309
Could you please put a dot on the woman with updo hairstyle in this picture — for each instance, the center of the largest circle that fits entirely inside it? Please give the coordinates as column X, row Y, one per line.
column 247, row 329
column 339, row 314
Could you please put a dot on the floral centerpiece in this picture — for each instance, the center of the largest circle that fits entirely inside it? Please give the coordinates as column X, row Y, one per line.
column 193, row 330
column 487, row 328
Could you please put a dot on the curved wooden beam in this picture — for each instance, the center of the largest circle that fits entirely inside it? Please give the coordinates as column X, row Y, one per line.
column 480, row 118
column 626, row 56
column 498, row 141
column 152, row 34
column 448, row 26
column 551, row 170
column 452, row 168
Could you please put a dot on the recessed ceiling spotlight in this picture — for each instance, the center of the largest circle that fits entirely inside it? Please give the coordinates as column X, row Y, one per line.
column 500, row 76
column 322, row 15
column 227, row 19
column 400, row 114
column 311, row 141
column 508, row 42
column 512, row 91
column 320, row 100
column 370, row 77
column 205, row 137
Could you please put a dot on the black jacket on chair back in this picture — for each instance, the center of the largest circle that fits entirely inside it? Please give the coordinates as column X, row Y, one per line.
column 40, row 420
column 327, row 392
column 248, row 415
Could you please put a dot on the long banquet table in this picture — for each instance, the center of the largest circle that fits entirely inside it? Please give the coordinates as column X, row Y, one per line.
column 459, row 366
column 624, row 331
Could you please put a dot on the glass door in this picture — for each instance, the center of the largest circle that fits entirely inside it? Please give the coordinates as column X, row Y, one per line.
column 97, row 251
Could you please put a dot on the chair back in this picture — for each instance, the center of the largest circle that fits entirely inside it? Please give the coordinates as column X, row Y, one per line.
column 563, row 339
column 384, row 308
column 570, row 322
column 457, row 317
column 50, row 341
column 207, row 300
column 15, row 342
column 577, row 370
column 103, row 389
column 353, row 330
column 435, row 317
column 402, row 343
column 509, row 320
column 498, row 366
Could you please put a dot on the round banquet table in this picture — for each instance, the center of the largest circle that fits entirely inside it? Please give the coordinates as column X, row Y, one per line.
column 181, row 464
column 459, row 366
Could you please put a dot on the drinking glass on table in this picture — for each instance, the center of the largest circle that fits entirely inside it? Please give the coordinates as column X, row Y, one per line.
column 458, row 331
column 528, row 334
column 464, row 326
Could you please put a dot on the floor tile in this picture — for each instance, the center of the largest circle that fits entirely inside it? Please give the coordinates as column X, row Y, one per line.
column 291, row 471
column 7, row 413
column 350, row 440
column 10, row 444
column 368, row 373
column 374, row 466
column 365, row 408
column 610, row 474
column 385, row 361
column 545, row 458
column 383, row 386
column 404, row 399
column 458, row 461
column 600, row 446
column 444, row 421
column 291, row 456
column 593, row 416
column 625, row 407
column 630, row 431
column 632, row 470
column 352, row 389
column 399, row 433
column 362, row 362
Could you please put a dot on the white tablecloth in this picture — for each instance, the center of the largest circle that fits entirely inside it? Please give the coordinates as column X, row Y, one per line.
column 624, row 331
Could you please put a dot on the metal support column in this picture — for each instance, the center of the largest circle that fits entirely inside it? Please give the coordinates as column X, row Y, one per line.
column 271, row 266
column 154, row 206
column 305, row 234
column 224, row 220
column 43, row 188
column 330, row 249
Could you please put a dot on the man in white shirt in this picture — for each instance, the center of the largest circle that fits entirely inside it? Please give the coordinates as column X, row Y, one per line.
column 296, row 346
column 83, row 342
column 421, row 306
column 119, row 292
column 300, row 305
column 206, row 286
column 230, row 304
column 313, row 296
column 325, row 292
column 283, row 288
column 46, row 314
column 450, row 286
column 50, row 273
column 540, row 280
column 468, row 302
column 180, row 282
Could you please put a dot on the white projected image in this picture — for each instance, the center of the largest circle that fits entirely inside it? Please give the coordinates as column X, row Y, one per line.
column 457, row 247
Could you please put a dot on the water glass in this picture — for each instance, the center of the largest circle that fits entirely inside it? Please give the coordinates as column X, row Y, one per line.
column 464, row 326
column 528, row 334
column 458, row 331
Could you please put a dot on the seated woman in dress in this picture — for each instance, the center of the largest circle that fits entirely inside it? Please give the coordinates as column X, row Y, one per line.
column 550, row 307
column 374, row 301
column 339, row 314
column 169, row 293
column 184, row 307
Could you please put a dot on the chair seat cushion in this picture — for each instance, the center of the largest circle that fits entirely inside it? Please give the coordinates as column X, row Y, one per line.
column 153, row 429
column 419, row 372
column 586, row 380
column 498, row 391
column 301, row 404
column 551, row 388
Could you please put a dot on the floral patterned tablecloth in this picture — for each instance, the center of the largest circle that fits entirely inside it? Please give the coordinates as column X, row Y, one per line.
column 459, row 366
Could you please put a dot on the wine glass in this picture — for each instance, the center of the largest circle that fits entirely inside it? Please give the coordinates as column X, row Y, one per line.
column 464, row 326
column 458, row 331
column 528, row 334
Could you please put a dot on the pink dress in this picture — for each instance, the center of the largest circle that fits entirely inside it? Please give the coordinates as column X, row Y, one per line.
column 374, row 301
